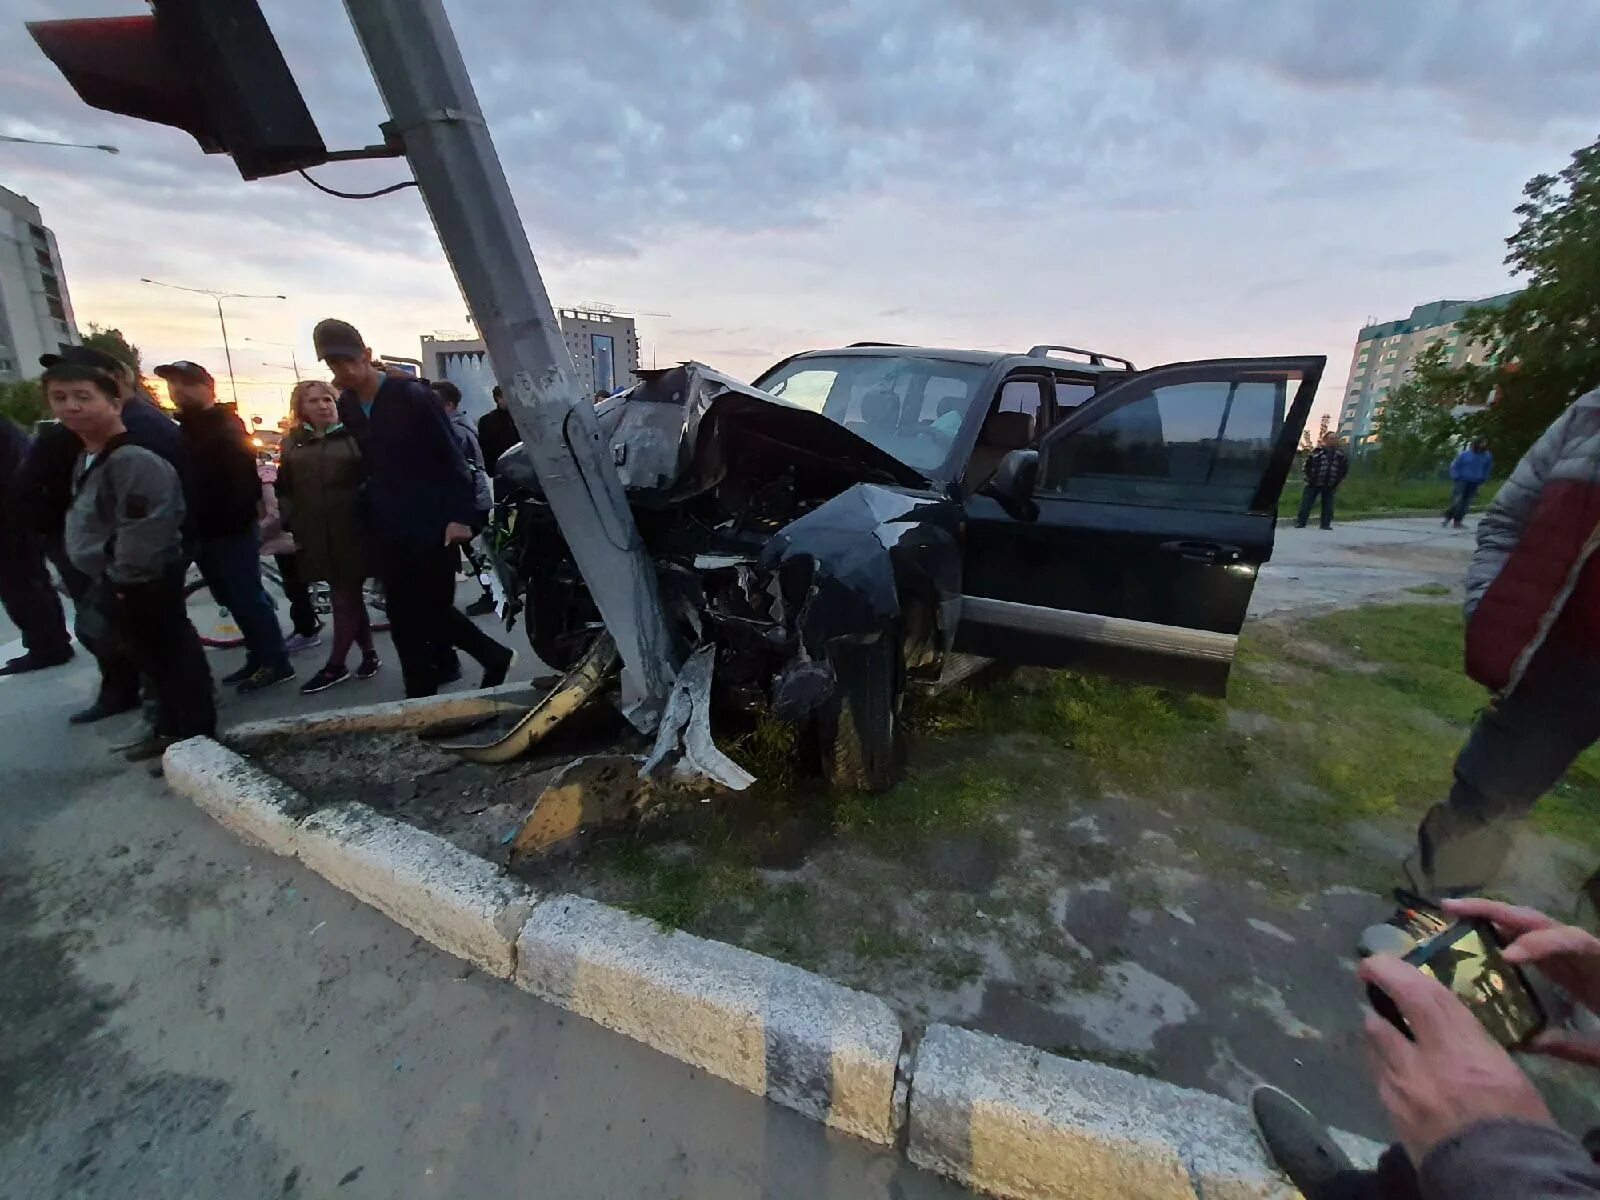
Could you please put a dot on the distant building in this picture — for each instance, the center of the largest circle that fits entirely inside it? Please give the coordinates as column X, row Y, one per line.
column 35, row 312
column 1384, row 354
column 604, row 348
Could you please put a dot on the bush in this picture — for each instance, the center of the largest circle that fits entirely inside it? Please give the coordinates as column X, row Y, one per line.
column 23, row 402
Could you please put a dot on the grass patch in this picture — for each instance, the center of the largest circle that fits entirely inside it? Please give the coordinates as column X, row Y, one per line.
column 1429, row 589
column 1365, row 494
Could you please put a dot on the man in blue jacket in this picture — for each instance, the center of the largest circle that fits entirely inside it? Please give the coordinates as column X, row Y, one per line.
column 1470, row 471
column 420, row 506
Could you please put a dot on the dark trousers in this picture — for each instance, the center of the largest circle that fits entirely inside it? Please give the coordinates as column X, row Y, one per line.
column 1394, row 1179
column 419, row 581
column 1519, row 749
column 302, row 612
column 1309, row 497
column 119, row 677
column 1461, row 500
column 150, row 623
column 231, row 567
column 352, row 625
column 29, row 597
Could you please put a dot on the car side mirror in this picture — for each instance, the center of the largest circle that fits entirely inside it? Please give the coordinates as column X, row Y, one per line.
column 1013, row 484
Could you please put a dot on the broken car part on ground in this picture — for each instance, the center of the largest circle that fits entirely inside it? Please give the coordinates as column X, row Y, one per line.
column 870, row 517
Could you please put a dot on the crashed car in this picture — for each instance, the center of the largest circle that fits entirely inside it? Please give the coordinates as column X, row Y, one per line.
column 865, row 518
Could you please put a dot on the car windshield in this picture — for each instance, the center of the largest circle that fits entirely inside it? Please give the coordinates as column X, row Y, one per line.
column 906, row 406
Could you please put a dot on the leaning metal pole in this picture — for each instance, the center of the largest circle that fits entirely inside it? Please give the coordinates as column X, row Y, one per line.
column 434, row 112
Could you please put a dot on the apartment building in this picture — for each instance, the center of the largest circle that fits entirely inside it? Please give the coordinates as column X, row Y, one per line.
column 35, row 311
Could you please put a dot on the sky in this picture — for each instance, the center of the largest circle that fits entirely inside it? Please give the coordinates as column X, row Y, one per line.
column 1160, row 179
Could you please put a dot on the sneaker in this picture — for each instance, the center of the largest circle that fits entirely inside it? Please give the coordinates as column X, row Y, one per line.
column 30, row 661
column 153, row 746
column 481, row 607
column 450, row 674
column 297, row 642
column 266, row 677
column 100, row 710
column 1298, row 1144
column 495, row 673
column 324, row 679
column 1413, row 922
column 239, row 676
column 369, row 666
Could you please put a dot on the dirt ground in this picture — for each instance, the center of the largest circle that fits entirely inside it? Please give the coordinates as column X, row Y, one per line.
column 1171, row 886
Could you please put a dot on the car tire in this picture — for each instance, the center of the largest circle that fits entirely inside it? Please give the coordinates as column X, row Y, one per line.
column 860, row 741
column 555, row 622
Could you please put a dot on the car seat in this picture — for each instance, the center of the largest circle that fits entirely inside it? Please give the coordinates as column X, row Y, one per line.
column 1002, row 433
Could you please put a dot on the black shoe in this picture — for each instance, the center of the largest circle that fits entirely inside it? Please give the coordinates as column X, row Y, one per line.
column 449, row 674
column 30, row 661
column 266, row 677
column 495, row 673
column 324, row 679
column 1413, row 922
column 369, row 666
column 239, row 676
column 1298, row 1144
column 100, row 710
column 481, row 607
column 152, row 747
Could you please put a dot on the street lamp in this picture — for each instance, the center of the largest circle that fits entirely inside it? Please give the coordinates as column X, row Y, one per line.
column 71, row 145
column 289, row 346
column 219, row 297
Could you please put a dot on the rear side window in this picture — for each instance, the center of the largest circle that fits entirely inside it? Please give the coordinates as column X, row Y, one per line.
column 1200, row 444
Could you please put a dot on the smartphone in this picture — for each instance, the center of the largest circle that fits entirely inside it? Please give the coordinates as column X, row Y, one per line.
column 1466, row 957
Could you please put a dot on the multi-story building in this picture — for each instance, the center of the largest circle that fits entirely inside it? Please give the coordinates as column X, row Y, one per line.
column 1384, row 353
column 604, row 348
column 35, row 312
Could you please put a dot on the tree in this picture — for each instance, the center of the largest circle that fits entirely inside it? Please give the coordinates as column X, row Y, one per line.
column 1417, row 428
column 1545, row 344
column 111, row 341
column 23, row 402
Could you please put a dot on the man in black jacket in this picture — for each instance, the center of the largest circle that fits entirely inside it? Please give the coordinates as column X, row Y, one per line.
column 26, row 592
column 497, row 432
column 224, row 493
column 420, row 505
column 1325, row 469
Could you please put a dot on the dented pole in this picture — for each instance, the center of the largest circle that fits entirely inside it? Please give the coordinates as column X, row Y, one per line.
column 434, row 114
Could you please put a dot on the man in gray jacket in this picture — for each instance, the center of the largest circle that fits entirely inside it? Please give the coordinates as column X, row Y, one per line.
column 1471, row 1126
column 124, row 532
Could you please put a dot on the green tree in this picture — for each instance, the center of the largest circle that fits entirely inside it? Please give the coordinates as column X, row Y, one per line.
column 1545, row 344
column 1417, row 430
column 111, row 341
column 23, row 402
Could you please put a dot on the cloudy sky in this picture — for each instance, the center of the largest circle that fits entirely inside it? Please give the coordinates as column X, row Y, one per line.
column 1163, row 179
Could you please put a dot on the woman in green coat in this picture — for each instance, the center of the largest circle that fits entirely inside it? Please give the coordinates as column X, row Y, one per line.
column 319, row 497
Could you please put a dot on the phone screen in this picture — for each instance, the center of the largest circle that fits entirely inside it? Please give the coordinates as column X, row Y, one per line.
column 1466, row 958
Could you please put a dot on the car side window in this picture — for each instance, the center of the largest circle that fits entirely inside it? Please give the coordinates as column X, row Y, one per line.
column 1198, row 444
column 1070, row 394
column 1020, row 395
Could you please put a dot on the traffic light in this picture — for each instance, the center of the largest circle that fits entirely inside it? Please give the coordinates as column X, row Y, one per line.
column 209, row 67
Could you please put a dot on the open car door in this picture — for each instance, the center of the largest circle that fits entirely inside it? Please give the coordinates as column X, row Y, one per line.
column 1153, row 511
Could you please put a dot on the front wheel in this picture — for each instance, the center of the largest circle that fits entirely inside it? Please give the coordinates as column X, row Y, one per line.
column 859, row 734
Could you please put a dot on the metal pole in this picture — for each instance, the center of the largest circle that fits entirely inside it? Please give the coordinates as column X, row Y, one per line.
column 227, row 352
column 434, row 111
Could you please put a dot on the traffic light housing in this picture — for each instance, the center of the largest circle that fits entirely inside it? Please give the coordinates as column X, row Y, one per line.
column 209, row 67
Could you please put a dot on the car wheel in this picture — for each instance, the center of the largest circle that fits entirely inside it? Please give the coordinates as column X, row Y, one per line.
column 859, row 738
column 560, row 625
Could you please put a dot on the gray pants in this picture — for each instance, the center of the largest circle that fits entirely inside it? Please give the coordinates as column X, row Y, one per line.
column 1520, row 748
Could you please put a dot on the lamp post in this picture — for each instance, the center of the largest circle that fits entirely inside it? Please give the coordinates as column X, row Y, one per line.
column 289, row 346
column 70, row 145
column 218, row 298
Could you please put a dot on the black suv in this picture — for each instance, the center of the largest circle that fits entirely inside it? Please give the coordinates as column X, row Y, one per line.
column 861, row 517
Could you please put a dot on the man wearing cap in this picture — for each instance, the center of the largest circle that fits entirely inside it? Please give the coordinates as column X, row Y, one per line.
column 420, row 505
column 225, row 493
column 43, row 492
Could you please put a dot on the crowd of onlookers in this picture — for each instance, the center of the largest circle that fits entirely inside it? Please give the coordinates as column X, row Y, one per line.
column 379, row 478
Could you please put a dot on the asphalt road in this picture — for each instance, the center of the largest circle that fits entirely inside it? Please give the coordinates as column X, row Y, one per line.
column 184, row 1016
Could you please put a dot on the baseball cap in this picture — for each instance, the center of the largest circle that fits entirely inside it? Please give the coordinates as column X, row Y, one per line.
column 184, row 369
column 337, row 339
column 83, row 356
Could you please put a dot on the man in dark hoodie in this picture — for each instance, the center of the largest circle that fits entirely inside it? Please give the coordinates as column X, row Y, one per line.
column 224, row 493
column 26, row 593
column 497, row 432
column 420, row 506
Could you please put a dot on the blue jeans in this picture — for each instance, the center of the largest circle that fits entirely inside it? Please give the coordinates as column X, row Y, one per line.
column 231, row 567
column 1461, row 500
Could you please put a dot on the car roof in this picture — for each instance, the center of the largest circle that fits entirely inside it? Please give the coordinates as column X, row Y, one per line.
column 984, row 358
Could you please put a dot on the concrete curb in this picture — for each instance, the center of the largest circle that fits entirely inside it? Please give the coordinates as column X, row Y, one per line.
column 1013, row 1121
column 425, row 712
column 999, row 1117
column 773, row 1029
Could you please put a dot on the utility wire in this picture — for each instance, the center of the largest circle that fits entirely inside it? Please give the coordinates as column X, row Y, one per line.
column 393, row 187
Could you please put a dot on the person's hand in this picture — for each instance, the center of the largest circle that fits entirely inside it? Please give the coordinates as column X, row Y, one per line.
column 1567, row 956
column 1453, row 1076
column 455, row 533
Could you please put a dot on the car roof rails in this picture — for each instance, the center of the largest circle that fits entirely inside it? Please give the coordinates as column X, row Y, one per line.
column 858, row 345
column 1096, row 359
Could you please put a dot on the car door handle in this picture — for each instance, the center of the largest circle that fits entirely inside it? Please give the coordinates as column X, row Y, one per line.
column 1206, row 552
